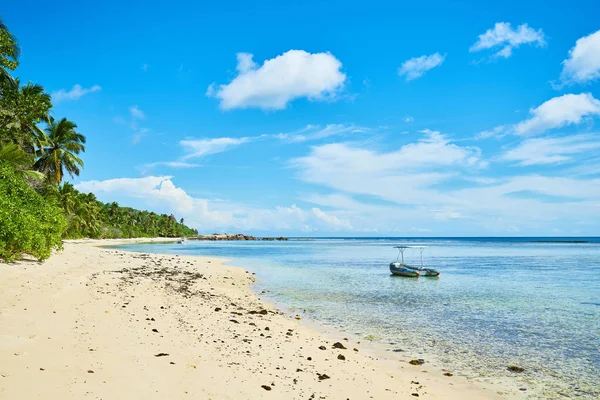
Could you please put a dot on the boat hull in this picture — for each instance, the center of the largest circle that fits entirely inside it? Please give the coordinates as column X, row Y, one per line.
column 401, row 270
column 423, row 271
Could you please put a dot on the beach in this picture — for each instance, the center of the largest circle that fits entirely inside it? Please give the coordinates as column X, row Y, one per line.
column 94, row 322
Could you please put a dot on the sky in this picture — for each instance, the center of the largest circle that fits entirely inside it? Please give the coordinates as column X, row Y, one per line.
column 341, row 118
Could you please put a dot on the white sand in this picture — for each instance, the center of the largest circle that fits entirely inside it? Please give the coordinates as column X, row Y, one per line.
column 73, row 327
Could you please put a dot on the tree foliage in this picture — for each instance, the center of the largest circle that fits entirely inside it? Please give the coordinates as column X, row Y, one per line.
column 22, row 109
column 88, row 217
column 28, row 223
column 60, row 153
column 9, row 53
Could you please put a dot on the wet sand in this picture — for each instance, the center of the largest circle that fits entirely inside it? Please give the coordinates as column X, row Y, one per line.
column 92, row 322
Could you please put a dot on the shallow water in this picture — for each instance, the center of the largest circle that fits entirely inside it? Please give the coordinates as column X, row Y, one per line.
column 533, row 303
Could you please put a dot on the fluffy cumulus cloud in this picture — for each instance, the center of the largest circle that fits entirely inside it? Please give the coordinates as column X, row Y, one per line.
column 160, row 193
column 583, row 64
column 280, row 80
column 418, row 66
column 558, row 112
column 203, row 147
column 75, row 93
column 503, row 36
column 550, row 150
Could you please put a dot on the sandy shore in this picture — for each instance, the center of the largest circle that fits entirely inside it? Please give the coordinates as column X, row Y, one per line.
column 106, row 324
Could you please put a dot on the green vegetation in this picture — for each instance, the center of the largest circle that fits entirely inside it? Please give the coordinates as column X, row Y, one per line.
column 28, row 223
column 38, row 209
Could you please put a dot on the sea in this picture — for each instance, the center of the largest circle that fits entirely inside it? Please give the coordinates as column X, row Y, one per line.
column 498, row 302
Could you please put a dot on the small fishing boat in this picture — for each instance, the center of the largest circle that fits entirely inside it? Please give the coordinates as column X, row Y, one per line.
column 182, row 241
column 402, row 269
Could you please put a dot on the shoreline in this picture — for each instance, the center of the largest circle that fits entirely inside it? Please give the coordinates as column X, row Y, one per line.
column 90, row 308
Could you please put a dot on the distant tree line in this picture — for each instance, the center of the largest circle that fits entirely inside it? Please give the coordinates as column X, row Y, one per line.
column 38, row 209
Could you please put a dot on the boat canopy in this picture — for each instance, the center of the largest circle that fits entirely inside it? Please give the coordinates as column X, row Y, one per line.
column 402, row 248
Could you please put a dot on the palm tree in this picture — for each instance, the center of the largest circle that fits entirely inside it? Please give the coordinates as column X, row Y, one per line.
column 61, row 153
column 9, row 53
column 22, row 108
column 19, row 161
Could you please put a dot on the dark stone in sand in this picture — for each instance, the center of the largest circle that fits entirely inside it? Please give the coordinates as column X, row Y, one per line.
column 267, row 329
column 309, row 358
column 355, row 349
column 298, row 370
column 266, row 387
column 341, row 357
column 323, row 376
column 161, row 354
column 415, row 394
column 322, row 348
column 155, row 330
column 263, row 312
column 338, row 345
column 90, row 371
column 448, row 374
column 420, row 361
column 218, row 309
column 234, row 321
column 514, row 368
column 172, row 363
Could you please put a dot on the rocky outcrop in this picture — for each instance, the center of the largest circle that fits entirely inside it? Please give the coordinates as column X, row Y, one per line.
column 233, row 236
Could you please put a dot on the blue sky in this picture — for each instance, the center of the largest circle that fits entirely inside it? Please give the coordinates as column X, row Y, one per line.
column 344, row 118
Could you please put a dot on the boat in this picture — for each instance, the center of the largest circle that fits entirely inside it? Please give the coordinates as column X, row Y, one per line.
column 182, row 241
column 402, row 269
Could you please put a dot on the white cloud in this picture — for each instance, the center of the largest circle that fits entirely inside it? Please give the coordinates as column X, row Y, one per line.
column 504, row 36
column 280, row 80
column 331, row 220
column 418, row 66
column 171, row 164
column 497, row 132
column 74, row 94
column 449, row 213
column 129, row 186
column 203, row 147
column 402, row 176
column 551, row 150
column 136, row 113
column 145, row 67
column 245, row 62
column 583, row 64
column 559, row 111
column 408, row 119
column 316, row 132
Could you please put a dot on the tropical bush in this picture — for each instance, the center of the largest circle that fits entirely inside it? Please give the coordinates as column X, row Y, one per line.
column 28, row 223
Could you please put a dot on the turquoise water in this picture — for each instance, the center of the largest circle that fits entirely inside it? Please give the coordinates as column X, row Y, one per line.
column 530, row 302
